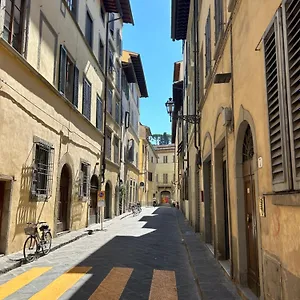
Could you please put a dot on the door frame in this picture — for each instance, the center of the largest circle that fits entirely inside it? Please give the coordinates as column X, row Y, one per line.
column 89, row 208
column 244, row 119
column 6, row 206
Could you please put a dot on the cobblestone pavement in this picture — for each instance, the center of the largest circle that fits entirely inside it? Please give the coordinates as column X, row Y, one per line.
column 142, row 257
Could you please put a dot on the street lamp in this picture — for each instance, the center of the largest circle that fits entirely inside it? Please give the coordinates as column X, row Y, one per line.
column 169, row 106
column 188, row 118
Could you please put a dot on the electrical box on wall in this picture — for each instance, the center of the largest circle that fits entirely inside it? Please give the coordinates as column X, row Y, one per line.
column 227, row 116
column 262, row 206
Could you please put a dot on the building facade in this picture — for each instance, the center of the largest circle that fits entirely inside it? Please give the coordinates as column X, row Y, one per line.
column 134, row 87
column 165, row 173
column 147, row 168
column 241, row 93
column 52, row 99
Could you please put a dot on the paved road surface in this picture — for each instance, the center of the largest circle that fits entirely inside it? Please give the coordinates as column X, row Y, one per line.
column 136, row 258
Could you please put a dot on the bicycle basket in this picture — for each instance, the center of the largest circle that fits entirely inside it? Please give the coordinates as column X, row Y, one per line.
column 30, row 230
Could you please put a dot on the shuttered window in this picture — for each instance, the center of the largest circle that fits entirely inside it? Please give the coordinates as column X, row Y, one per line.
column 89, row 29
column 282, row 66
column 117, row 108
column 86, row 101
column 109, row 101
column 207, row 45
column 101, row 53
column 99, row 111
column 218, row 19
column 68, row 77
column 292, row 47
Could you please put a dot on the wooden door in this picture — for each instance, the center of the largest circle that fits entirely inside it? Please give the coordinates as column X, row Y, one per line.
column 93, row 203
column 226, row 217
column 64, row 200
column 211, row 204
column 251, row 229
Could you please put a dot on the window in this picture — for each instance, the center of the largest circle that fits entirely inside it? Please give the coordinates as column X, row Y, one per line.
column 118, row 77
column 150, row 176
column 111, row 60
column 102, row 12
column 207, row 46
column 101, row 53
column 72, row 5
column 84, row 180
column 116, row 151
column 174, row 177
column 152, row 159
column 42, row 176
column 14, row 23
column 68, row 77
column 156, row 177
column 99, row 116
column 130, row 153
column 165, row 159
column 86, row 101
column 111, row 24
column 119, row 42
column 89, row 29
column 109, row 101
column 108, row 145
column 117, row 112
column 173, row 158
column 165, row 178
column 282, row 59
column 218, row 19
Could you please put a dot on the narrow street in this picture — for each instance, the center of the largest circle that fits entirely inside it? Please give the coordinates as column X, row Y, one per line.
column 140, row 257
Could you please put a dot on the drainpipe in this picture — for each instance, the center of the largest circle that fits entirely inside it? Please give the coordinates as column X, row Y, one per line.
column 227, row 152
column 196, row 46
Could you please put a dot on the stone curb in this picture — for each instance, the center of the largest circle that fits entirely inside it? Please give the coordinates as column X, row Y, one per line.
column 189, row 258
column 19, row 262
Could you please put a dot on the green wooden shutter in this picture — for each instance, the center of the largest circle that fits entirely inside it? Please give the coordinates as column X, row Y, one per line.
column 291, row 21
column 76, row 86
column 276, row 107
column 62, row 69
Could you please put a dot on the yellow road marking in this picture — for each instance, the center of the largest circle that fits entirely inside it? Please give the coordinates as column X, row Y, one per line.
column 163, row 286
column 20, row 281
column 112, row 287
column 60, row 285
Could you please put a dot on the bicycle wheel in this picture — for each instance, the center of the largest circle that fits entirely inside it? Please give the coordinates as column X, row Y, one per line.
column 46, row 242
column 30, row 249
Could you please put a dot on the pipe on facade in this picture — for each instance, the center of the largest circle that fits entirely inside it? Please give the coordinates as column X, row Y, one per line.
column 227, row 152
column 196, row 50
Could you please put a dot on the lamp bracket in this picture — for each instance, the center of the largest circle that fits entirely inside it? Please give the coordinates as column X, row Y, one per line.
column 195, row 119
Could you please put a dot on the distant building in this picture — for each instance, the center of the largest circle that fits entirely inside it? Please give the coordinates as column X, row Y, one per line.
column 165, row 173
column 147, row 167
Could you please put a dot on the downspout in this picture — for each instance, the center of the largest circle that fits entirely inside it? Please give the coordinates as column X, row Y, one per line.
column 196, row 46
column 227, row 152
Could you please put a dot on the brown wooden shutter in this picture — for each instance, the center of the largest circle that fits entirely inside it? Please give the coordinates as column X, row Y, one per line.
column 62, row 69
column 76, row 86
column 276, row 107
column 86, row 105
column 291, row 13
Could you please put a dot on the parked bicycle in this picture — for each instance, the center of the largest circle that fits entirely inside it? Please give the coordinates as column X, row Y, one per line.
column 135, row 208
column 37, row 242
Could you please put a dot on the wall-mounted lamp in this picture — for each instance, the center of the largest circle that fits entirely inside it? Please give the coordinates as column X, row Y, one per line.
column 188, row 118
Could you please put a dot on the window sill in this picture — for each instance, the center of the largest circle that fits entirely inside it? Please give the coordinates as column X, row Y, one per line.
column 286, row 199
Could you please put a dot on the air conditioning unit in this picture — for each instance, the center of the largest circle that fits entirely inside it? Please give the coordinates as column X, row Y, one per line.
column 227, row 116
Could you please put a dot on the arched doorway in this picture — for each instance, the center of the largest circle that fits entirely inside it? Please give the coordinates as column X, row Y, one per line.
column 64, row 200
column 107, row 201
column 250, row 212
column 165, row 197
column 93, row 203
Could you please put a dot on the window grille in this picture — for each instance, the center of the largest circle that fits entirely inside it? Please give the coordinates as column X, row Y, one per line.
column 42, row 171
column 84, row 191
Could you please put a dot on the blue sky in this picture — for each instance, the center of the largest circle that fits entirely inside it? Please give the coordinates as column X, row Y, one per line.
column 151, row 38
